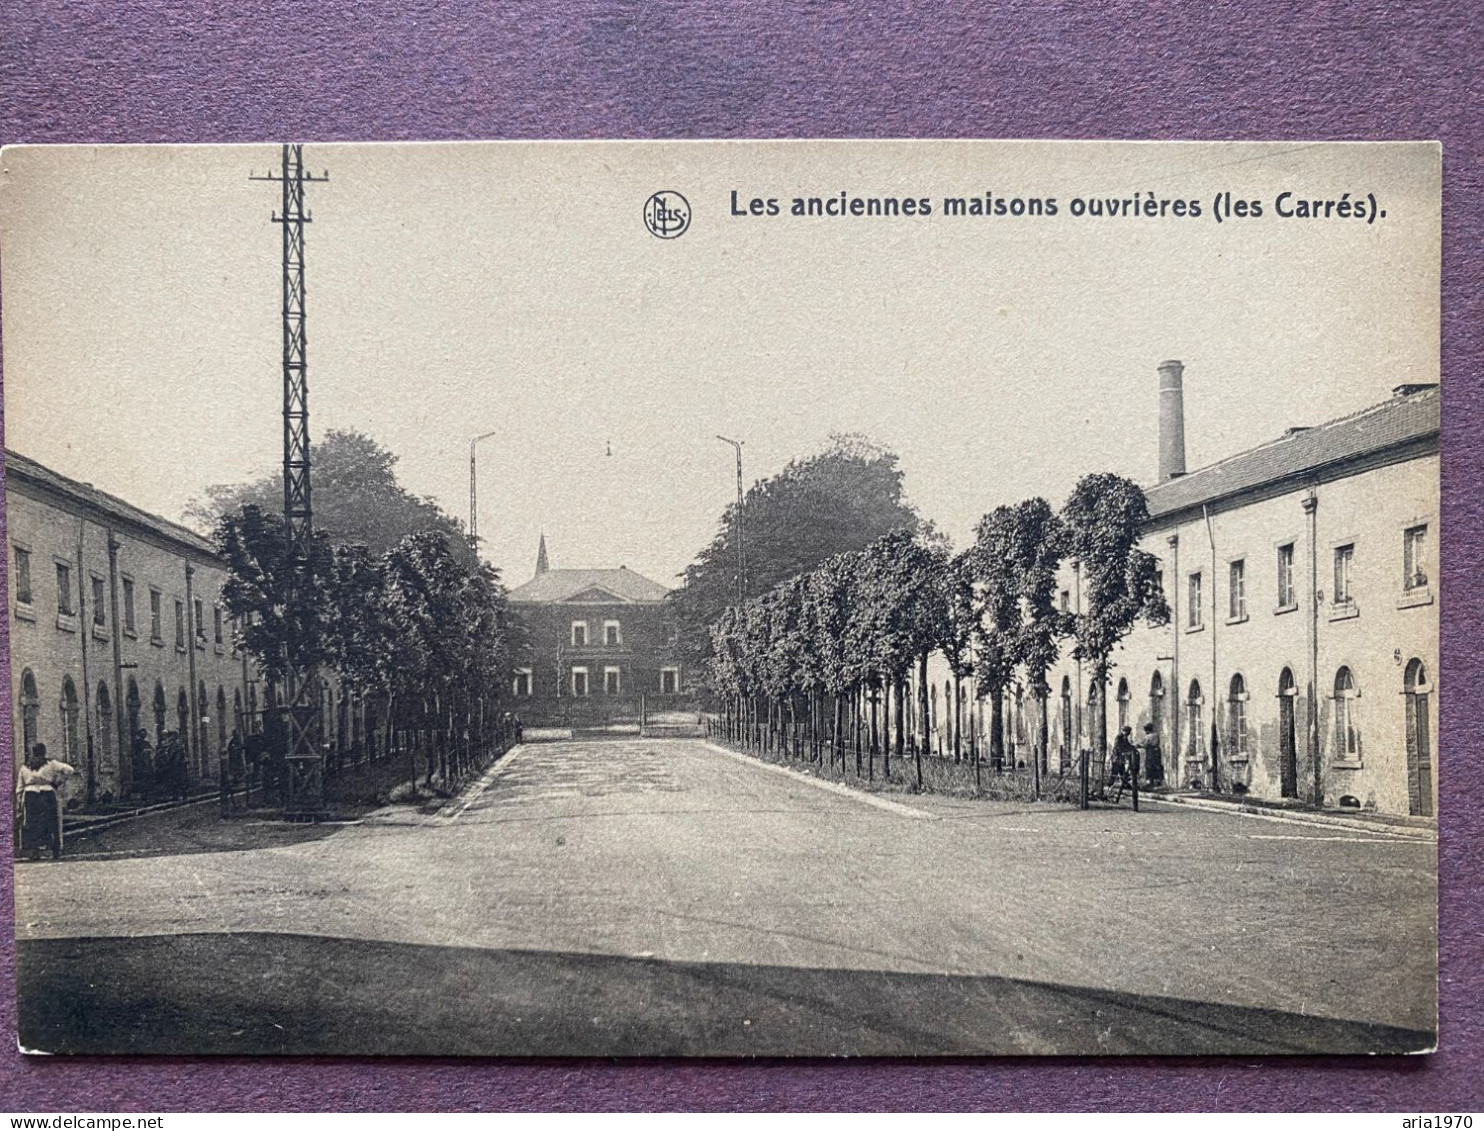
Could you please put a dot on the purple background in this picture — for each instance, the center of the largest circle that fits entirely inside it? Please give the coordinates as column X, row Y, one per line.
column 237, row 72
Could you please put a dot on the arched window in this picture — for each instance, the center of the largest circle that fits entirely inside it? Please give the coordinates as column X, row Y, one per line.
column 104, row 707
column 1236, row 714
column 159, row 708
column 1418, row 694
column 1196, row 745
column 30, row 712
column 183, row 715
column 1157, row 706
column 132, row 706
column 252, row 709
column 237, row 721
column 1347, row 729
column 71, row 741
column 221, row 718
column 203, row 726
column 1123, row 702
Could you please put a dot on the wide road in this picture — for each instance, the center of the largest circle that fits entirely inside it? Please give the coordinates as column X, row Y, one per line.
column 668, row 897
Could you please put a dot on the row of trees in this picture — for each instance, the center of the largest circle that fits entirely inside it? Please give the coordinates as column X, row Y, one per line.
column 815, row 656
column 410, row 621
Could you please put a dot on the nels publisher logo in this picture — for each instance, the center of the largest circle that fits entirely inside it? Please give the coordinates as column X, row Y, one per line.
column 667, row 215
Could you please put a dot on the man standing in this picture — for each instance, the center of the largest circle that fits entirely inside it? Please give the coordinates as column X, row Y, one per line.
column 1154, row 765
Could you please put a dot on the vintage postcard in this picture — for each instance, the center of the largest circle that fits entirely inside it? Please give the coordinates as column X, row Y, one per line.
column 723, row 598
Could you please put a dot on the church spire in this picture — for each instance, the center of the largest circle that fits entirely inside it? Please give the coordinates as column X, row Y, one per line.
column 541, row 563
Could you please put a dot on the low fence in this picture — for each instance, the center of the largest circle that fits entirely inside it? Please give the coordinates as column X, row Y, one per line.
column 854, row 760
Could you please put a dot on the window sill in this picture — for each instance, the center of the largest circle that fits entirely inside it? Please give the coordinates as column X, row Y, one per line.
column 100, row 632
column 200, row 645
column 24, row 612
column 1239, row 759
column 219, row 649
column 1348, row 611
column 1189, row 628
column 1347, row 764
column 130, row 634
column 1237, row 620
column 67, row 622
column 1281, row 609
column 180, row 649
column 1415, row 598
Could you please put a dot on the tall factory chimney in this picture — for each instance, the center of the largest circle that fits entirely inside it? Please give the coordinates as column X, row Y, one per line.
column 1171, row 420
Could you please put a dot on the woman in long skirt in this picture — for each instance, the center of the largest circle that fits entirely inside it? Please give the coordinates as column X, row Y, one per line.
column 40, row 808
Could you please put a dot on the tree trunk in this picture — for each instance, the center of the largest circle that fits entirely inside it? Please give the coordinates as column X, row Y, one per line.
column 958, row 718
column 1043, row 731
column 922, row 700
column 997, row 729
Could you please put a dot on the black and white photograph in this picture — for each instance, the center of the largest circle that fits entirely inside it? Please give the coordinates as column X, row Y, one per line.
column 723, row 599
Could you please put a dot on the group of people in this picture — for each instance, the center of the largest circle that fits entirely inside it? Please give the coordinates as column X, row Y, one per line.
column 1129, row 760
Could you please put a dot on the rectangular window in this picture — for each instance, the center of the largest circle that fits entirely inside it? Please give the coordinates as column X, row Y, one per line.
column 610, row 681
column 1237, row 591
column 200, row 620
column 1066, row 600
column 156, row 629
column 129, row 623
column 1344, row 562
column 22, row 576
column 1286, row 596
column 669, row 681
column 216, row 623
column 579, row 682
column 100, row 610
column 579, row 634
column 180, row 633
column 521, row 685
column 1414, row 558
column 610, row 633
column 64, row 590
column 1193, row 602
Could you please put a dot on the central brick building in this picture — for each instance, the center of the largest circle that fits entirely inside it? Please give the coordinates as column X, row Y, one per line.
column 598, row 640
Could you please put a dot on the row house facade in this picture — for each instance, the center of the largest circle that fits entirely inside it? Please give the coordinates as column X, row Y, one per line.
column 1301, row 656
column 116, row 627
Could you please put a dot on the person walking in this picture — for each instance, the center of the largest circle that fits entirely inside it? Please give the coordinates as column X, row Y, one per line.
column 1154, row 764
column 1125, row 761
column 40, row 802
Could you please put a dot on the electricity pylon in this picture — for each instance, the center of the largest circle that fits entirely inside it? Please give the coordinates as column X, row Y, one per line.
column 305, row 793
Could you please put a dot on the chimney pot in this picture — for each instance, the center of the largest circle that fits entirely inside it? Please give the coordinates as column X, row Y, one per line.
column 1171, row 420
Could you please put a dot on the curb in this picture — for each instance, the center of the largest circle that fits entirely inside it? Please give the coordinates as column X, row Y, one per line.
column 859, row 795
column 87, row 826
column 1298, row 817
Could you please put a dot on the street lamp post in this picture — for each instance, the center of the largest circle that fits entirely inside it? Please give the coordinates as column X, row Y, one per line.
column 474, row 492
column 741, row 551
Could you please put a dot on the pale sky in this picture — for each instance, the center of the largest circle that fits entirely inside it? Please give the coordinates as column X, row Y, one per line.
column 512, row 287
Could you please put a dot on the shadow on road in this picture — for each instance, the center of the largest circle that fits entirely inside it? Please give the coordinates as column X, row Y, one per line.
column 297, row 994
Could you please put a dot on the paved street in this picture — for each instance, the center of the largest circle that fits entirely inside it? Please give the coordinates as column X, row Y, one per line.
column 664, row 896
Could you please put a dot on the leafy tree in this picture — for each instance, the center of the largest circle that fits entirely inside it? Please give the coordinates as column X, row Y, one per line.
column 1016, row 554
column 1104, row 517
column 839, row 500
column 272, row 629
column 357, row 499
column 957, row 639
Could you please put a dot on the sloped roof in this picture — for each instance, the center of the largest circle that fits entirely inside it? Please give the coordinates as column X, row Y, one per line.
column 564, row 584
column 24, row 469
column 1412, row 415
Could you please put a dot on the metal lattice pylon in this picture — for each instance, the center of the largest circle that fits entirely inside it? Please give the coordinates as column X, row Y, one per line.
column 305, row 792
